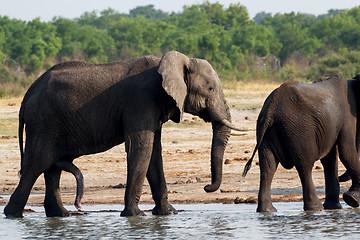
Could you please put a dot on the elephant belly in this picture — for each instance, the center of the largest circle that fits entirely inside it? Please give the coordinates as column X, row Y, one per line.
column 89, row 141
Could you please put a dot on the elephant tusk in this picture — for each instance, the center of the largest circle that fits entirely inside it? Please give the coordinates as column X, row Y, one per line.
column 238, row 134
column 231, row 126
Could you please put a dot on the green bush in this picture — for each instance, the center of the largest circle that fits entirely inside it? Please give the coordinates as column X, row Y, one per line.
column 335, row 65
column 287, row 73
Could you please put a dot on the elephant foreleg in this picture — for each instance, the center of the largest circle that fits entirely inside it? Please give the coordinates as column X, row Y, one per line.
column 268, row 166
column 139, row 147
column 156, row 178
column 332, row 187
column 52, row 203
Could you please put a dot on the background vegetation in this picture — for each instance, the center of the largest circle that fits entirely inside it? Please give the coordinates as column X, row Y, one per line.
column 269, row 47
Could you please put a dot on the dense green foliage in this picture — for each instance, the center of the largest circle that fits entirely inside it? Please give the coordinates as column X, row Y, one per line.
column 280, row 47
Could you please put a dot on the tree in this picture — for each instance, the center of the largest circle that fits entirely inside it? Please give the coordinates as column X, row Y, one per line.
column 259, row 17
column 67, row 30
column 292, row 31
column 148, row 11
column 192, row 20
column 215, row 13
column 256, row 39
column 340, row 31
column 237, row 16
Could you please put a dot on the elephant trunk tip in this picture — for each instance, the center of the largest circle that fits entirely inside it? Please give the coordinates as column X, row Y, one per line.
column 212, row 187
column 77, row 204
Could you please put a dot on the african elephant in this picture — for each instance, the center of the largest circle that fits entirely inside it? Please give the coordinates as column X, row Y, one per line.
column 79, row 108
column 301, row 123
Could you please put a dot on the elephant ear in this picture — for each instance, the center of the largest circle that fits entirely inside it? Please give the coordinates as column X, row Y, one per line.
column 173, row 67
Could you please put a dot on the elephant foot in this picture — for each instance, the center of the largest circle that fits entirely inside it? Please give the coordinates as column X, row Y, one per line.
column 57, row 213
column 53, row 209
column 352, row 198
column 332, row 205
column 12, row 213
column 168, row 209
column 313, row 207
column 135, row 211
column 269, row 208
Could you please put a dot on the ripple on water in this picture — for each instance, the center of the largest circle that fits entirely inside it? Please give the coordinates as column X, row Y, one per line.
column 194, row 221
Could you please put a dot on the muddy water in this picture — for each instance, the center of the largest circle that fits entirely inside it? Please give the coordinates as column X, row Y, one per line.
column 194, row 221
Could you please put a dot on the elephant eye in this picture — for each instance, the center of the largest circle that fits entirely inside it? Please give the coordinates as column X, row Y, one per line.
column 211, row 88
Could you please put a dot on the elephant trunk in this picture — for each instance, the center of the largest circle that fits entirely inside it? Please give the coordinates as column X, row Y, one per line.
column 221, row 135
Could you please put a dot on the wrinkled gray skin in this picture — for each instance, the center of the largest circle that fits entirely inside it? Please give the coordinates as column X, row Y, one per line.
column 78, row 108
column 301, row 123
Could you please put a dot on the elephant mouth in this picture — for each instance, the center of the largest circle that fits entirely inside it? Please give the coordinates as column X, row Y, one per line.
column 205, row 115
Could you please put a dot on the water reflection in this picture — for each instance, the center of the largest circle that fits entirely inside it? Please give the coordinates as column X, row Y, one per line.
column 194, row 221
column 156, row 226
column 309, row 225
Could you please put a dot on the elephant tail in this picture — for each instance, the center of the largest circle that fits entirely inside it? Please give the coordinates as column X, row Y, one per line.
column 21, row 135
column 248, row 164
column 265, row 120
column 260, row 132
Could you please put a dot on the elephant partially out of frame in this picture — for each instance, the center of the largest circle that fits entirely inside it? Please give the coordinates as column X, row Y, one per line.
column 78, row 108
column 301, row 123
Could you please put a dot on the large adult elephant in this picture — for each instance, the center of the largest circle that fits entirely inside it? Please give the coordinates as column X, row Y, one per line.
column 78, row 108
column 301, row 123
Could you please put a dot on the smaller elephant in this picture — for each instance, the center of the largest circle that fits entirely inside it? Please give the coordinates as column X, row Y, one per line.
column 301, row 123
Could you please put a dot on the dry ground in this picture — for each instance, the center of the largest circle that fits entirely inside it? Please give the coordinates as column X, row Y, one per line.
column 186, row 153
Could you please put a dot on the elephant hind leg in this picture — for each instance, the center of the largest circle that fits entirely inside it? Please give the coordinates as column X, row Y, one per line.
column 268, row 165
column 332, row 187
column 349, row 157
column 18, row 199
column 32, row 166
column 52, row 203
column 311, row 200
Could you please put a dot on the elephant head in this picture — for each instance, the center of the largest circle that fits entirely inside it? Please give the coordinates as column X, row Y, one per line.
column 196, row 89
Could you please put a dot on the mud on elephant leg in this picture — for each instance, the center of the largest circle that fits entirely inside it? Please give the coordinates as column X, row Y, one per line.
column 332, row 187
column 156, row 178
column 52, row 203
